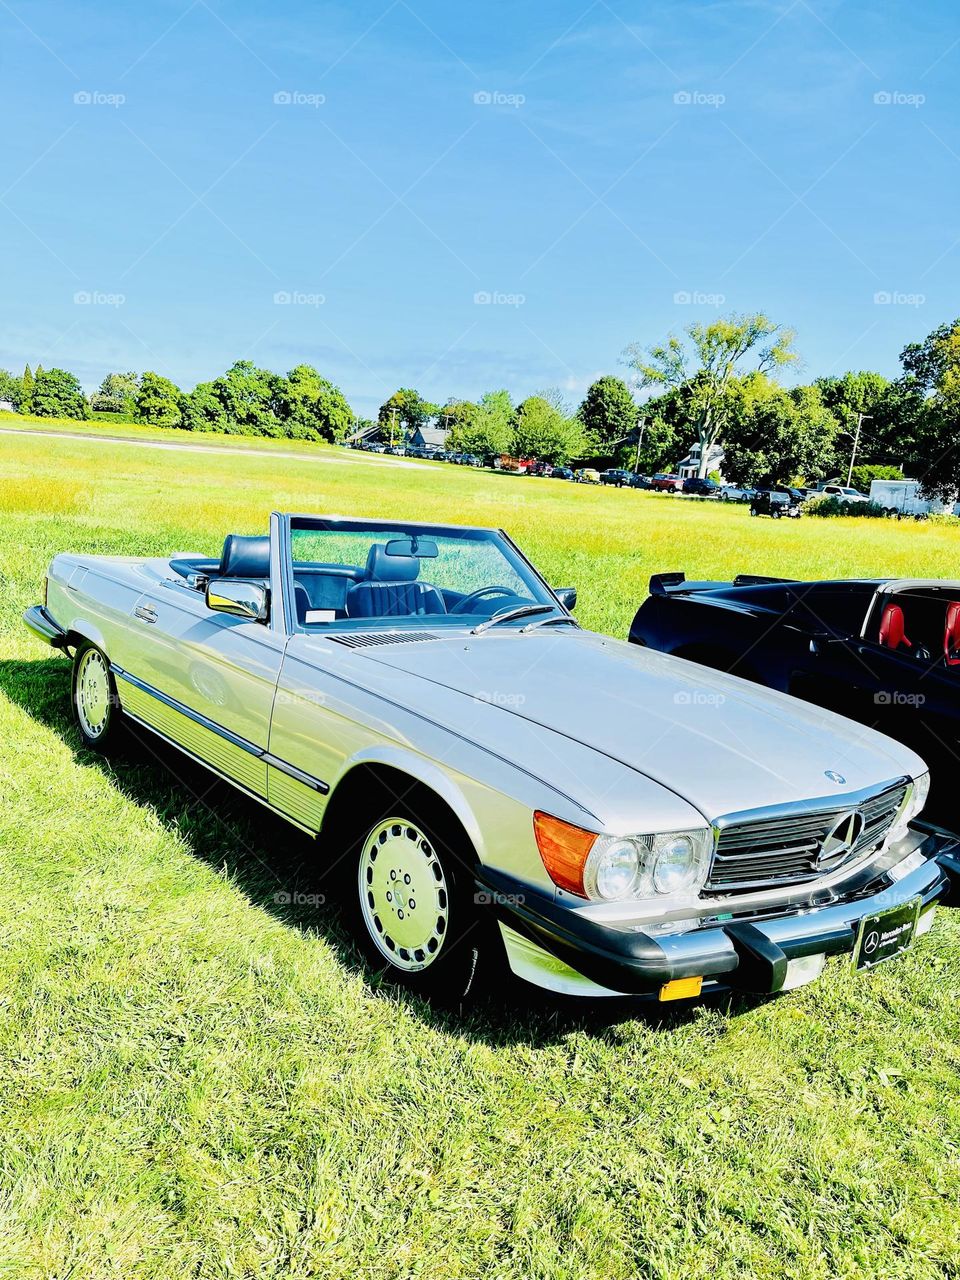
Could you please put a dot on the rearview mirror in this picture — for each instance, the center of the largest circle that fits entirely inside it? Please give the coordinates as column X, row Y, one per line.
column 422, row 548
column 238, row 599
column 567, row 597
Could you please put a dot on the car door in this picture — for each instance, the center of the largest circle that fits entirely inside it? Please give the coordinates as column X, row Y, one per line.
column 205, row 680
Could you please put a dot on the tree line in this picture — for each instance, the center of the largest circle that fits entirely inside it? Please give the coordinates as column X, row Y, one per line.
column 716, row 385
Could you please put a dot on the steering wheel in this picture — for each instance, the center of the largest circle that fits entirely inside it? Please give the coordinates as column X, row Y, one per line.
column 461, row 605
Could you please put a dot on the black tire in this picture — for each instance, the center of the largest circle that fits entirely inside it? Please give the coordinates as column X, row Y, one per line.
column 454, row 945
column 775, row 513
column 96, row 706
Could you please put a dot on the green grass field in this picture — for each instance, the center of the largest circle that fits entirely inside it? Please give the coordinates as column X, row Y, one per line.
column 195, row 1081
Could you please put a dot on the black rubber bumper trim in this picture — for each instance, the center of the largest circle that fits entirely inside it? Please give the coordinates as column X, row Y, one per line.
column 748, row 955
column 44, row 627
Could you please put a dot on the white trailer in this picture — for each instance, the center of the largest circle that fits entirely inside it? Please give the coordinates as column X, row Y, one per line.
column 904, row 496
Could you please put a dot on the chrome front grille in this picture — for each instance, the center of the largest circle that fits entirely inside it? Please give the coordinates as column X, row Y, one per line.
column 781, row 847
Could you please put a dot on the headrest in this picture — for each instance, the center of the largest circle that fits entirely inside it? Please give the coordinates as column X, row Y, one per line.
column 384, row 568
column 892, row 628
column 245, row 557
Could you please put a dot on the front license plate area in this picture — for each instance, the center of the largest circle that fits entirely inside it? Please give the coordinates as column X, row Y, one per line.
column 884, row 935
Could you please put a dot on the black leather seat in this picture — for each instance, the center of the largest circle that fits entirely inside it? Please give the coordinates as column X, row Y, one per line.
column 244, row 557
column 390, row 590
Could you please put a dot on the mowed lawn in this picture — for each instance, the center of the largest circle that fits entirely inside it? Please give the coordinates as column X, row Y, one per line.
column 199, row 1080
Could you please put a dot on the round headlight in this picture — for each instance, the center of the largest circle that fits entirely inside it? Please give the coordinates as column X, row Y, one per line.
column 675, row 865
column 612, row 869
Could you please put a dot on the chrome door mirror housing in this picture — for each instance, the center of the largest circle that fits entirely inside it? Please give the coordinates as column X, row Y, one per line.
column 239, row 599
column 567, row 597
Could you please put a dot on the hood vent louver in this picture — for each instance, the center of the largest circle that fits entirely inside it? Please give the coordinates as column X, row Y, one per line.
column 365, row 639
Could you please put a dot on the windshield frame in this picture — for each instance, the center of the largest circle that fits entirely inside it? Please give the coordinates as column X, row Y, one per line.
column 288, row 522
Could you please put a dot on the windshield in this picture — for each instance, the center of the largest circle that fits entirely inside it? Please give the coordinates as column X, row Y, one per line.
column 350, row 573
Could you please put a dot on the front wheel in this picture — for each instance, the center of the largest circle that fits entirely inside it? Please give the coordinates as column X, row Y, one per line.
column 96, row 707
column 412, row 906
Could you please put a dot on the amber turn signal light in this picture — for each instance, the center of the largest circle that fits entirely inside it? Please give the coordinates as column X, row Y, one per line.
column 564, row 849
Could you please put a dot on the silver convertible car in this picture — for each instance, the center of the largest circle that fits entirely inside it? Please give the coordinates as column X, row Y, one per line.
column 489, row 782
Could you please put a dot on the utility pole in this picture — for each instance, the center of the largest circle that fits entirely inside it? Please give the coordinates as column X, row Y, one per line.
column 861, row 418
column 636, row 464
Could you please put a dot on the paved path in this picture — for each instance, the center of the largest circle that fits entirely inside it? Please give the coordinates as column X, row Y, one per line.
column 351, row 457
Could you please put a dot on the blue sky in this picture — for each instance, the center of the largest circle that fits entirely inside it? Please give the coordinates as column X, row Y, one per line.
column 600, row 173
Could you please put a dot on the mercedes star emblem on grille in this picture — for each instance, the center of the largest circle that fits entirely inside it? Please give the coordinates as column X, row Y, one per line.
column 840, row 839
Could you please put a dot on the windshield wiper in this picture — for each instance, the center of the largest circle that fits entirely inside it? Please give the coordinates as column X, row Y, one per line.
column 551, row 622
column 521, row 611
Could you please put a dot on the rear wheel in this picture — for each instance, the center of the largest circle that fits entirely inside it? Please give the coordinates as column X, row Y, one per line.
column 96, row 706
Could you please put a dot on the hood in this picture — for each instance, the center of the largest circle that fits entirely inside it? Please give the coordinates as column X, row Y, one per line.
column 721, row 743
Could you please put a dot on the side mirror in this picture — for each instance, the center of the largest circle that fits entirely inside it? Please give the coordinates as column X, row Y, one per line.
column 567, row 597
column 239, row 599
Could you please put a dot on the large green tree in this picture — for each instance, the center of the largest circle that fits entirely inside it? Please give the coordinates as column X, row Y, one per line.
column 403, row 412
column 311, row 408
column 608, row 412
column 772, row 435
column 58, row 394
column 932, row 378
column 26, row 390
column 10, row 387
column 485, row 428
column 203, row 411
column 707, row 361
column 541, row 431
column 117, row 393
column 158, row 401
column 250, row 398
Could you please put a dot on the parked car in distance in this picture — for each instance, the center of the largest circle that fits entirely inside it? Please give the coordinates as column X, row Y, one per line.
column 841, row 491
column 616, row 476
column 563, row 473
column 735, row 493
column 587, row 475
column 344, row 672
column 541, row 469
column 641, row 482
column 666, row 482
column 701, row 486
column 775, row 503
column 884, row 651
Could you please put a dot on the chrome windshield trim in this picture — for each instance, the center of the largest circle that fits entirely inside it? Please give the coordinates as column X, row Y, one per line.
column 228, row 735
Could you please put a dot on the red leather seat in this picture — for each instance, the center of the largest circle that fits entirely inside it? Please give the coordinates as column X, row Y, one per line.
column 951, row 635
column 892, row 628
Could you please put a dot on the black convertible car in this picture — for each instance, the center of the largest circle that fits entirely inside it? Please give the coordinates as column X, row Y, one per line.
column 882, row 651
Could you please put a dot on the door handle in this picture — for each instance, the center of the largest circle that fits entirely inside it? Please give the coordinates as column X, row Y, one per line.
column 145, row 612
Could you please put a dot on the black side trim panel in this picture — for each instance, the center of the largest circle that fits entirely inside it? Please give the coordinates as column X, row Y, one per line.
column 234, row 738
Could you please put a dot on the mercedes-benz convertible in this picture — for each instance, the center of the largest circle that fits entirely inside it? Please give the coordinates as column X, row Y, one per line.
column 489, row 782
